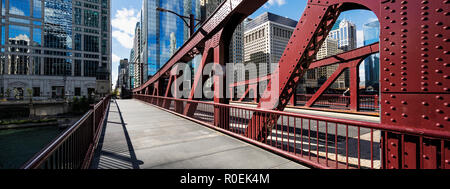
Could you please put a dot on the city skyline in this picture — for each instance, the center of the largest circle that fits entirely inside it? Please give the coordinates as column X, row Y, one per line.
column 127, row 13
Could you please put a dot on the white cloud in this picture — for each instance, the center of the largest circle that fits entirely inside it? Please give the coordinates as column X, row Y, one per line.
column 277, row 2
column 126, row 40
column 360, row 38
column 274, row 2
column 115, row 58
column 123, row 24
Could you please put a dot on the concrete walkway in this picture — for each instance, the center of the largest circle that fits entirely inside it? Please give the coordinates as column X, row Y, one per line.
column 140, row 136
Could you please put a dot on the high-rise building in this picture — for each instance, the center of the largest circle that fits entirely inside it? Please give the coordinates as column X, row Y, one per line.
column 136, row 61
column 341, row 38
column 123, row 76
column 346, row 35
column 265, row 39
column 158, row 27
column 236, row 48
column 372, row 63
column 56, row 48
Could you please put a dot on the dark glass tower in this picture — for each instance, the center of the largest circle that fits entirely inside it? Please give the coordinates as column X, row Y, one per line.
column 164, row 33
column 372, row 63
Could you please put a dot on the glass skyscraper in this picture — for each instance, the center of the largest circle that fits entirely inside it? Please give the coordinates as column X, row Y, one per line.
column 163, row 33
column 372, row 63
column 56, row 48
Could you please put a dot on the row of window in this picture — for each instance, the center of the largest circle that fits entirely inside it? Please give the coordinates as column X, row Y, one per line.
column 26, row 65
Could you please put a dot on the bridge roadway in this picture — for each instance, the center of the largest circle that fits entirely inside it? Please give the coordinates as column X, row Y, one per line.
column 140, row 136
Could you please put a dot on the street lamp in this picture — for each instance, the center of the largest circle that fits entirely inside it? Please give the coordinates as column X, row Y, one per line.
column 191, row 18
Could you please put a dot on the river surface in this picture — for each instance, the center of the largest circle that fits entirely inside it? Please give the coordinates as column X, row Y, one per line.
column 17, row 146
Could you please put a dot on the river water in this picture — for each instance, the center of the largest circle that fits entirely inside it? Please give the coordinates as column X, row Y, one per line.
column 17, row 146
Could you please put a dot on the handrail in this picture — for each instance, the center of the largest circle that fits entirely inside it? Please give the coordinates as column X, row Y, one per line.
column 42, row 156
column 370, row 125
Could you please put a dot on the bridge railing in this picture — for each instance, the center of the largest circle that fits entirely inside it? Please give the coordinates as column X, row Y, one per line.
column 74, row 148
column 318, row 141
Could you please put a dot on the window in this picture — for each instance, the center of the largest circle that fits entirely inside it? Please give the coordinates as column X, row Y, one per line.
column 91, row 43
column 91, row 18
column 36, row 92
column 19, row 35
column 77, row 91
column 37, row 37
column 19, row 7
column 77, row 42
column 78, row 16
column 77, row 68
column 37, row 8
column 90, row 68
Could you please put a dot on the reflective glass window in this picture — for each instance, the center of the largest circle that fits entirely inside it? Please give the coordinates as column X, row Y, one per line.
column 19, row 35
column 3, row 8
column 37, row 37
column 91, row 18
column 77, row 42
column 19, row 7
column 2, row 39
column 37, row 8
column 78, row 16
column 91, row 43
column 58, row 24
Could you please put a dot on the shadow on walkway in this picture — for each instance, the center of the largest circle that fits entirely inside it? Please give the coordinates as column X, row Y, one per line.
column 115, row 149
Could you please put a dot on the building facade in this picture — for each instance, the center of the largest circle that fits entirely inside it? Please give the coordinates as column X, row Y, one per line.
column 123, row 76
column 265, row 39
column 56, row 48
column 163, row 31
column 372, row 63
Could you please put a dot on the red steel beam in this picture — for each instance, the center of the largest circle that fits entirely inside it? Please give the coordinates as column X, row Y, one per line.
column 217, row 21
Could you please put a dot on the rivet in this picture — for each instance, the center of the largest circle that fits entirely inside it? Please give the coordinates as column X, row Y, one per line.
column 387, row 114
column 387, row 102
column 403, row 62
column 439, row 97
column 424, row 117
column 424, row 18
column 404, row 115
column 439, row 125
column 393, row 96
column 438, row 71
column 404, row 78
column 424, row 26
column 404, row 102
column 438, row 59
column 424, row 78
column 424, row 66
column 438, row 23
column 425, row 103
column 447, row 118
column 438, row 35
column 424, row 72
column 439, row 111
column 393, row 120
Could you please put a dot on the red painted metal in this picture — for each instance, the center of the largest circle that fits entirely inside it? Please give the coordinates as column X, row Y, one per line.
column 414, row 76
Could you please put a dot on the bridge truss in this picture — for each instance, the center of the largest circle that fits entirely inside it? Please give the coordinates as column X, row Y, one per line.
column 414, row 131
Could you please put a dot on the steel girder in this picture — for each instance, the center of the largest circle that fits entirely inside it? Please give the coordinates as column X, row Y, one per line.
column 414, row 70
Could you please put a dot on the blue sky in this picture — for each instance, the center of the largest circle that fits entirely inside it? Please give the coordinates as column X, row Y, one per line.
column 125, row 14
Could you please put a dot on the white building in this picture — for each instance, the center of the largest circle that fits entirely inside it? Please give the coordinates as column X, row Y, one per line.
column 265, row 39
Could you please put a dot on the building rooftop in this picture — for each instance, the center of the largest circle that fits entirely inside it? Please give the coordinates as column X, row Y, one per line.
column 268, row 16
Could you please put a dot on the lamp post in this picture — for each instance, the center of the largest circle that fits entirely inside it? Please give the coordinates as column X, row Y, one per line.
column 191, row 19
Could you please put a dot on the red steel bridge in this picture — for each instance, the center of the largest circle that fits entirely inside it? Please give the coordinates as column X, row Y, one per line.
column 414, row 132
